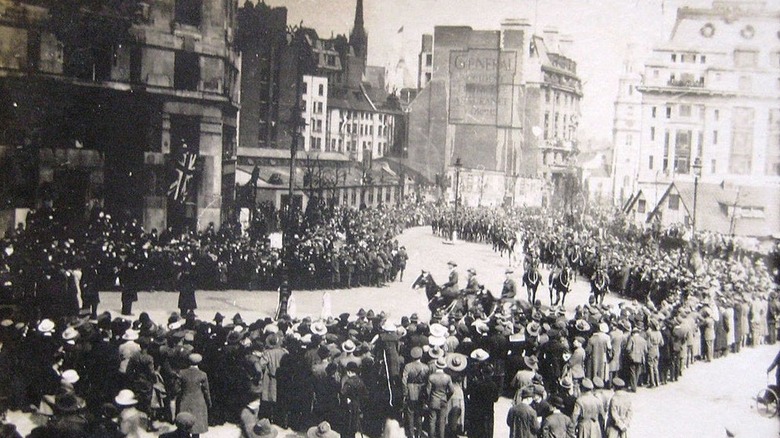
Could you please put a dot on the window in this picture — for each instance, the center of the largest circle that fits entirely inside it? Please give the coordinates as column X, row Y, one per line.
column 741, row 154
column 429, row 59
column 714, row 137
column 629, row 140
column 685, row 110
column 652, row 133
column 668, row 112
column 322, row 90
column 304, row 87
column 427, row 77
column 656, row 74
column 713, row 167
column 650, row 163
column 703, row 59
column 666, row 151
column 653, row 112
column 188, row 12
column 674, row 202
column 674, row 57
column 716, row 115
column 773, row 144
column 682, row 152
column 186, row 74
column 745, row 58
column 641, row 205
column 745, row 83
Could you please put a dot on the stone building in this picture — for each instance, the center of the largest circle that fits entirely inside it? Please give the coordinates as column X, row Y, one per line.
column 711, row 95
column 128, row 106
column 506, row 102
column 346, row 123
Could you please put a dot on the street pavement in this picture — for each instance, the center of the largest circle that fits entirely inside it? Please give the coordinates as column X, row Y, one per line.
column 709, row 399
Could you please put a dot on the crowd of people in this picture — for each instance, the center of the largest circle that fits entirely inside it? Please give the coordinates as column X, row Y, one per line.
column 343, row 248
column 644, row 264
column 107, row 375
column 349, row 374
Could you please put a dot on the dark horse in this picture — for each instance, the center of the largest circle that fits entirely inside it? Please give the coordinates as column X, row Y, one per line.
column 560, row 282
column 599, row 284
column 531, row 280
column 432, row 291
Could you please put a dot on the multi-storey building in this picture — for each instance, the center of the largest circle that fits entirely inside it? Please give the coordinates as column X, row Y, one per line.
column 425, row 61
column 506, row 103
column 626, row 131
column 344, row 124
column 711, row 96
column 130, row 107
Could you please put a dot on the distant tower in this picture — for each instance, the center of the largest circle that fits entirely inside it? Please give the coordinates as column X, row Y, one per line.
column 358, row 38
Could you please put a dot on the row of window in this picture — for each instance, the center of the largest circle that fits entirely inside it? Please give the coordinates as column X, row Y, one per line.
column 743, row 58
column 320, row 89
column 317, row 107
column 689, row 58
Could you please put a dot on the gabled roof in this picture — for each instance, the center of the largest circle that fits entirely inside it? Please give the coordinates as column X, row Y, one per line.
column 715, row 206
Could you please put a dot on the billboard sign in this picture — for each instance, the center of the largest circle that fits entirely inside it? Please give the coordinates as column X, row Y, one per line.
column 475, row 76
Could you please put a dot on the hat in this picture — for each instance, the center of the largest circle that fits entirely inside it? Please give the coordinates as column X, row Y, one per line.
column 481, row 327
column 533, row 328
column 531, row 362
column 125, row 397
column 436, row 341
column 435, row 352
column 271, row 340
column 509, row 271
column 322, row 430
column 348, row 346
column 46, row 326
column 457, row 361
column 617, row 382
column 527, row 391
column 587, row 383
column 414, row 318
column 130, row 335
column 480, row 355
column 6, row 323
column 566, row 382
column 219, row 317
column 452, row 263
column 441, row 363
column 195, row 358
column 389, row 327
column 361, row 313
column 580, row 339
column 471, row 271
column 416, row 352
column 438, row 330
column 185, row 421
column 233, row 337
column 68, row 403
column 175, row 325
column 264, row 429
column 582, row 325
column 319, row 328
column 598, row 382
column 70, row 333
column 603, row 327
column 557, row 401
column 70, row 376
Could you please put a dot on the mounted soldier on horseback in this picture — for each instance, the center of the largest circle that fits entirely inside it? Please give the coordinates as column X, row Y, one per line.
column 532, row 278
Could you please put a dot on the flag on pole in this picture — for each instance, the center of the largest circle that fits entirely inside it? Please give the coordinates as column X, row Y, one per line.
column 183, row 171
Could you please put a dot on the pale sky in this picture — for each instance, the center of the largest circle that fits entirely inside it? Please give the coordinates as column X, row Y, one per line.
column 602, row 31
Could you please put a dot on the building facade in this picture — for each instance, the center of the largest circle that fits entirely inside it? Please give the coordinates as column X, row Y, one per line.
column 712, row 93
column 506, row 102
column 626, row 132
column 130, row 108
column 345, row 122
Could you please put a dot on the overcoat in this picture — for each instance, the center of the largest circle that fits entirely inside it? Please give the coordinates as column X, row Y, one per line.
column 194, row 397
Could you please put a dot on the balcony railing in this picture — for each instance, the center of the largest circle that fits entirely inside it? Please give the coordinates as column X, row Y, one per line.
column 687, row 83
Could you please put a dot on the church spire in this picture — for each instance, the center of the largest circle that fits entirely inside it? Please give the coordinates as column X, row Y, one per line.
column 358, row 38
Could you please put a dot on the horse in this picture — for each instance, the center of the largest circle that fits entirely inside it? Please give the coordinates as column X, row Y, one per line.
column 531, row 280
column 560, row 282
column 599, row 285
column 436, row 301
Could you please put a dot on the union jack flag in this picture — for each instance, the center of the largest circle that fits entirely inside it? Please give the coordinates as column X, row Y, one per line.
column 183, row 171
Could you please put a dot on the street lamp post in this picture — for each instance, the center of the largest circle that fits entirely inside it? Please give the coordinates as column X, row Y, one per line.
column 696, row 174
column 458, row 165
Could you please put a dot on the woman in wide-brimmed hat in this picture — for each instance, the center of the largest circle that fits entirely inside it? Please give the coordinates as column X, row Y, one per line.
column 131, row 419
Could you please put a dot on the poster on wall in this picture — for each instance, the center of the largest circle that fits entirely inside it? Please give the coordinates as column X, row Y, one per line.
column 475, row 75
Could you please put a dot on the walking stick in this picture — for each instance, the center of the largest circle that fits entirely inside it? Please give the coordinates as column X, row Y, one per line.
column 387, row 376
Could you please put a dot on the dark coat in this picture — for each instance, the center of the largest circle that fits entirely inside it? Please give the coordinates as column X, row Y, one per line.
column 194, row 397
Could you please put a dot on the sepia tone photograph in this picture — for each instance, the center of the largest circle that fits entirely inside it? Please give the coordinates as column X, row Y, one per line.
column 389, row 218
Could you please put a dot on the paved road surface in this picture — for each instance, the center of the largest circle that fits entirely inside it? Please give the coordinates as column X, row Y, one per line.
column 709, row 398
